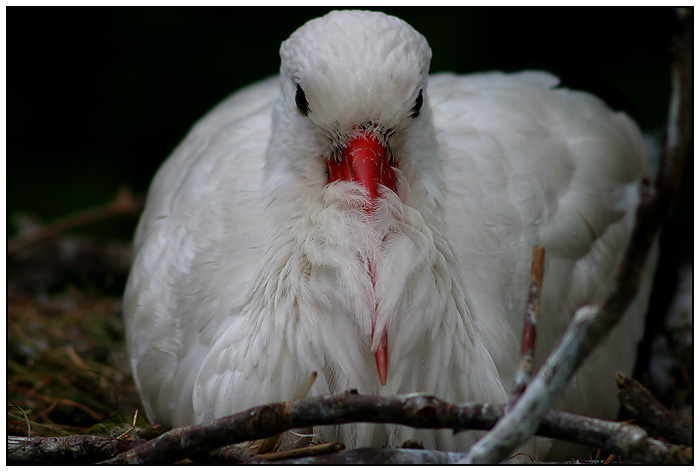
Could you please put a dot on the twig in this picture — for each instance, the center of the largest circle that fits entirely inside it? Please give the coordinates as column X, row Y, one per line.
column 131, row 428
column 527, row 350
column 73, row 356
column 592, row 323
column 416, row 410
column 124, row 204
column 643, row 407
column 26, row 419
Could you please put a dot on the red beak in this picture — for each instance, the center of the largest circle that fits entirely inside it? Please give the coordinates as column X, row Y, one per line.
column 365, row 161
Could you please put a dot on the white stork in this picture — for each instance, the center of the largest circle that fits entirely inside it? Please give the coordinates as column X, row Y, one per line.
column 357, row 217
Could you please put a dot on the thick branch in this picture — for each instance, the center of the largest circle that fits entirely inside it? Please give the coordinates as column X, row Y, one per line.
column 65, row 450
column 591, row 324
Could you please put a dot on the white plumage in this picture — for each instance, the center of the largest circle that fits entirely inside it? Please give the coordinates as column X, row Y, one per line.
column 255, row 266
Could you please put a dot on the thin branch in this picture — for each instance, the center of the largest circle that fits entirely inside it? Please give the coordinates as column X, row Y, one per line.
column 592, row 323
column 124, row 204
column 643, row 407
column 527, row 350
column 131, row 428
column 416, row 410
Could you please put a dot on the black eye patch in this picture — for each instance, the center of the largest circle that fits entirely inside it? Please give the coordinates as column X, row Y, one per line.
column 302, row 103
column 415, row 111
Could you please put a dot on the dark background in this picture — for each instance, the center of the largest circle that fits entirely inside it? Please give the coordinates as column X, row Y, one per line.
column 99, row 97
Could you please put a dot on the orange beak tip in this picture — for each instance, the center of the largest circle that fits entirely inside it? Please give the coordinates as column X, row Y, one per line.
column 381, row 358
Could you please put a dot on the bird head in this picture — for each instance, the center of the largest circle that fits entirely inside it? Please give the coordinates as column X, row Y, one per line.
column 354, row 86
column 354, row 67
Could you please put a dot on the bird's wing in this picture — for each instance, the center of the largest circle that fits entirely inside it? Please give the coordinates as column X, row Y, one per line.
column 527, row 163
column 208, row 191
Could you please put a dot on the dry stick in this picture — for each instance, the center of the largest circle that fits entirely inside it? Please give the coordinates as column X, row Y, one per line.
column 124, row 204
column 131, row 428
column 415, row 410
column 592, row 323
column 527, row 350
column 643, row 407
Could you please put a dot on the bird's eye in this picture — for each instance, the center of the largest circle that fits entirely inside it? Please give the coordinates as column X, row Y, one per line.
column 302, row 103
column 415, row 111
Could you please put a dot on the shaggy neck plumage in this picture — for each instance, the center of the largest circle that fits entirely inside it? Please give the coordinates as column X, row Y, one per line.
column 316, row 276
